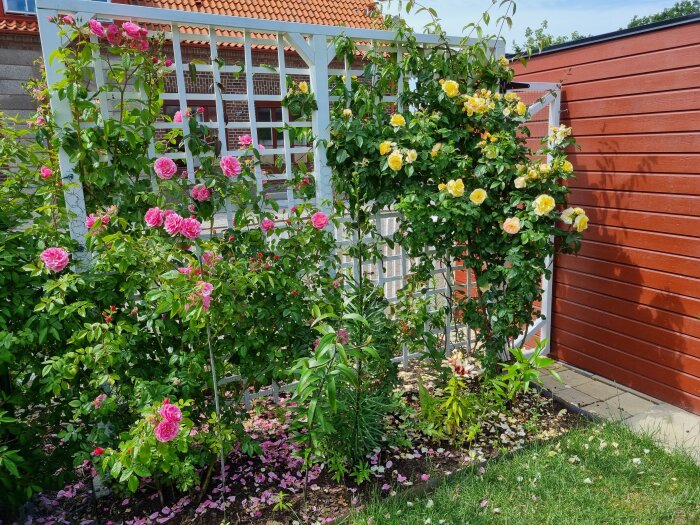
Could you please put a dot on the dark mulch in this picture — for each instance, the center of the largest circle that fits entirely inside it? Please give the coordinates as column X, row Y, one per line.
column 253, row 484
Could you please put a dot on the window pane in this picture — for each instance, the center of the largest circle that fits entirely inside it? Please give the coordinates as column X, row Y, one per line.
column 20, row 6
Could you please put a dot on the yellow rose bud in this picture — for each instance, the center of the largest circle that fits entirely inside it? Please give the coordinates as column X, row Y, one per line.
column 455, row 187
column 411, row 156
column 581, row 223
column 442, row 186
column 303, row 87
column 511, row 225
column 478, row 196
column 384, row 147
column 435, row 150
column 543, row 204
column 347, row 113
column 521, row 109
column 395, row 161
column 397, row 120
column 451, row 88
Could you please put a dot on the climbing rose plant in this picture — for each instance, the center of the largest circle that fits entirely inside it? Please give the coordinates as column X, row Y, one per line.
column 452, row 155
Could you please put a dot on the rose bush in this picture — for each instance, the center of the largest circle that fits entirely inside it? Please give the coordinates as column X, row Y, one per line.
column 456, row 164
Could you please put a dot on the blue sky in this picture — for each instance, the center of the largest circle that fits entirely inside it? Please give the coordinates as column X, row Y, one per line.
column 564, row 16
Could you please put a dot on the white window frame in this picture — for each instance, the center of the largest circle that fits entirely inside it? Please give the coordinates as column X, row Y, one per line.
column 9, row 11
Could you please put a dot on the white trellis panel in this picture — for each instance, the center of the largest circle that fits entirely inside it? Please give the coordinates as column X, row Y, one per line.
column 314, row 45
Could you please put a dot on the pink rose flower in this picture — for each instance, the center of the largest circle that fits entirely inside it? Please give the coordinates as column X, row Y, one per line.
column 190, row 228
column 155, row 217
column 200, row 193
column 185, row 270
column 142, row 45
column 98, row 451
column 67, row 19
column 166, row 431
column 245, row 141
column 230, row 166
column 261, row 147
column 97, row 402
column 172, row 223
column 55, row 259
column 177, row 117
column 90, row 220
column 132, row 30
column 40, row 121
column 200, row 109
column 319, row 220
column 168, row 63
column 165, row 168
column 205, row 288
column 46, row 172
column 171, row 413
column 113, row 34
column 210, row 258
column 267, row 225
column 96, row 28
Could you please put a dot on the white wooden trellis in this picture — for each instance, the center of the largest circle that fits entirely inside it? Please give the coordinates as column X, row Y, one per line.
column 314, row 44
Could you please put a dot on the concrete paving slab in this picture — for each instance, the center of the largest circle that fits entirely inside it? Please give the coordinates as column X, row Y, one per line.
column 572, row 378
column 607, row 410
column 599, row 390
column 576, row 397
column 671, row 426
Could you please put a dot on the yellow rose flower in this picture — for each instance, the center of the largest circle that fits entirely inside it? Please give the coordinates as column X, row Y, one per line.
column 435, row 150
column 384, row 147
column 455, row 187
column 303, row 87
column 544, row 204
column 478, row 196
column 511, row 225
column 395, row 161
column 545, row 169
column 397, row 120
column 510, row 96
column 347, row 113
column 442, row 186
column 411, row 156
column 567, row 167
column 503, row 61
column 520, row 182
column 451, row 88
column 567, row 216
column 521, row 108
column 581, row 223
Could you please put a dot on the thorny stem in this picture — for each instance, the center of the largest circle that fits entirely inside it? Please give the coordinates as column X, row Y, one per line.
column 215, row 384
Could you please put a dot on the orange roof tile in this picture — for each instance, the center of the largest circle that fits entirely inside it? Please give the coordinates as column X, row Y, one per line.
column 348, row 13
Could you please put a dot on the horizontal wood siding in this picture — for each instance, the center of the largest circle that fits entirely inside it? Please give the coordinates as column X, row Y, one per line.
column 627, row 306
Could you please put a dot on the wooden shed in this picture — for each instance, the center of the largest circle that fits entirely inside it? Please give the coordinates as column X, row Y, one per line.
column 628, row 306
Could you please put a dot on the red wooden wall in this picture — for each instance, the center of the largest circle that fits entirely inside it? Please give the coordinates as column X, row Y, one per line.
column 628, row 306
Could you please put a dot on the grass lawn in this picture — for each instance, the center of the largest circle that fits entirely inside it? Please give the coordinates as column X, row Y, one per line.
column 597, row 474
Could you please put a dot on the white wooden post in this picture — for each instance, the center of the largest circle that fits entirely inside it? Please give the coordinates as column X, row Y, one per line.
column 321, row 120
column 72, row 186
column 548, row 284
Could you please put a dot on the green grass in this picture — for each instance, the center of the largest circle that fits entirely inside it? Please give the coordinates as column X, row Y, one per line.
column 605, row 485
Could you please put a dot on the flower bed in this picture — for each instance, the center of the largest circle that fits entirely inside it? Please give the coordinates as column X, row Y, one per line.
column 269, row 487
